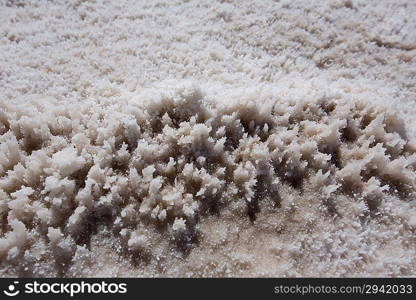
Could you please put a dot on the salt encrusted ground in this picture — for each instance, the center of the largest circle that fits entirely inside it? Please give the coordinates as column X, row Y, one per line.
column 201, row 138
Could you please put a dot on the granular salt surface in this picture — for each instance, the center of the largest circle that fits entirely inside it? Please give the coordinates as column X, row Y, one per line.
column 207, row 138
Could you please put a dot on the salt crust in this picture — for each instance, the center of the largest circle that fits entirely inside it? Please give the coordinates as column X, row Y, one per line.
column 168, row 157
column 305, row 169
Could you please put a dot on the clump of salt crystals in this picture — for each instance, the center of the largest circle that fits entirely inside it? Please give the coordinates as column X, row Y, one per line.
column 168, row 158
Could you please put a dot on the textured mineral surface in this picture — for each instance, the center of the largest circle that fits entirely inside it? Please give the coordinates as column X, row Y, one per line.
column 203, row 138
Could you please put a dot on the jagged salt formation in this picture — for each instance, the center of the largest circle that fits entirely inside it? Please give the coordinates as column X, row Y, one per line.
column 167, row 158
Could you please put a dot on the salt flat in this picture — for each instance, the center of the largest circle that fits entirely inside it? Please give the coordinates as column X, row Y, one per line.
column 207, row 138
